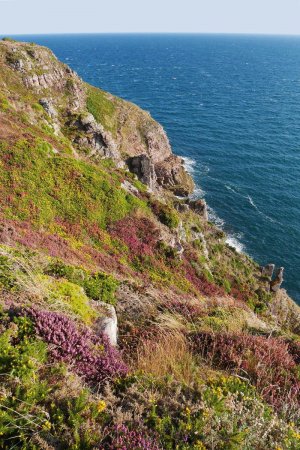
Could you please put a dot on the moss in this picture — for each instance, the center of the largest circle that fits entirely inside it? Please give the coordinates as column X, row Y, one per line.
column 37, row 107
column 165, row 213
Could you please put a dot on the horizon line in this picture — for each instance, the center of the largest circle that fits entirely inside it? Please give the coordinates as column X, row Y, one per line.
column 219, row 33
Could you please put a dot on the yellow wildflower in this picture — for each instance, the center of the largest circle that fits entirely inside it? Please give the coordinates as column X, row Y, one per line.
column 47, row 425
column 101, row 406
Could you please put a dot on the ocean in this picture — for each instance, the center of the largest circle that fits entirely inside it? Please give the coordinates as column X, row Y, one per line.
column 231, row 107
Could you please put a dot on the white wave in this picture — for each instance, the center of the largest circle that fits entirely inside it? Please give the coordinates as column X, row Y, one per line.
column 189, row 164
column 213, row 217
column 260, row 212
column 235, row 243
column 232, row 240
column 252, row 202
column 198, row 193
column 230, row 188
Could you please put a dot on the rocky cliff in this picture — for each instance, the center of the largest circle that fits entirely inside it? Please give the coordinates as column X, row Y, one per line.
column 126, row 321
column 96, row 122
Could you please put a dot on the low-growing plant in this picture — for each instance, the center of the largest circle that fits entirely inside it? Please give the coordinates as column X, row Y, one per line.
column 91, row 356
column 165, row 213
column 97, row 286
column 266, row 362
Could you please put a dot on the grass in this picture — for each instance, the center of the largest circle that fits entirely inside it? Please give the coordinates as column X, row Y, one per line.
column 42, row 187
column 102, row 108
column 167, row 354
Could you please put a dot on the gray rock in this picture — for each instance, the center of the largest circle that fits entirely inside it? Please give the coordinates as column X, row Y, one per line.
column 108, row 324
column 96, row 138
column 182, row 207
column 143, row 167
column 267, row 271
column 179, row 249
column 128, row 187
column 277, row 282
column 199, row 207
column 48, row 107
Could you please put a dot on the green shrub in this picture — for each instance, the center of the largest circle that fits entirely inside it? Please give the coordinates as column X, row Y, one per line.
column 98, row 286
column 72, row 297
column 165, row 213
column 4, row 103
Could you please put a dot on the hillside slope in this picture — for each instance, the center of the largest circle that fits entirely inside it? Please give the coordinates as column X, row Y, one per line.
column 97, row 232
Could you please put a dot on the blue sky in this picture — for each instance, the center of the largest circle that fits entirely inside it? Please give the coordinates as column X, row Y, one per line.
column 200, row 16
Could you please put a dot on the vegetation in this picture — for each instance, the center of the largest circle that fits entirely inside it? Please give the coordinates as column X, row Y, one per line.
column 203, row 360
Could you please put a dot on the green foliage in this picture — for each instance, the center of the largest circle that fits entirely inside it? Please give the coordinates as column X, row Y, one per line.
column 72, row 297
column 259, row 300
column 7, row 277
column 98, row 286
column 47, row 187
column 102, row 108
column 165, row 213
column 4, row 103
column 41, row 403
column 8, row 39
column 222, row 410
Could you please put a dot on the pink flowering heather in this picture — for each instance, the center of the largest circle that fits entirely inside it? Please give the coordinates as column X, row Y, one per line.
column 265, row 361
column 122, row 438
column 189, row 311
column 89, row 355
column 139, row 234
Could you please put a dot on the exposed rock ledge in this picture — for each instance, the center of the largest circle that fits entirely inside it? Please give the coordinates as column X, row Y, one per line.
column 125, row 132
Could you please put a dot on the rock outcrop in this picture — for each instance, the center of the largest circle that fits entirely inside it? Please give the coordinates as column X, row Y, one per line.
column 108, row 322
column 143, row 167
column 285, row 312
column 92, row 135
column 267, row 271
column 277, row 282
column 172, row 175
column 199, row 207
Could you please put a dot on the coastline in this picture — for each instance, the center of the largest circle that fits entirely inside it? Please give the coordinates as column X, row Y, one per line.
column 199, row 193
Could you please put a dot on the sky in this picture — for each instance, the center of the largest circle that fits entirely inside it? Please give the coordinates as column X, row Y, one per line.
column 180, row 16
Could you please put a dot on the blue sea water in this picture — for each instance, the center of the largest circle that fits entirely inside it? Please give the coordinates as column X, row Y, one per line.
column 231, row 106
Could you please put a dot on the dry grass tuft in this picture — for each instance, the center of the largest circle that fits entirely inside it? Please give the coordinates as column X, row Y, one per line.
column 167, row 354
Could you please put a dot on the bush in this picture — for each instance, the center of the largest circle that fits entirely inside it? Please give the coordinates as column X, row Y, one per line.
column 134, row 438
column 72, row 298
column 98, row 286
column 90, row 356
column 266, row 362
column 167, row 215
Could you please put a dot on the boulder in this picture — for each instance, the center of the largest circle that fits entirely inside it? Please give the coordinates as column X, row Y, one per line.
column 143, row 167
column 48, row 107
column 172, row 175
column 199, row 207
column 267, row 271
column 277, row 282
column 130, row 188
column 108, row 323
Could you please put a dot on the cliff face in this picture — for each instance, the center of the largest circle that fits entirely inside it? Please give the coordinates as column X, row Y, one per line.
column 93, row 254
column 99, row 123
